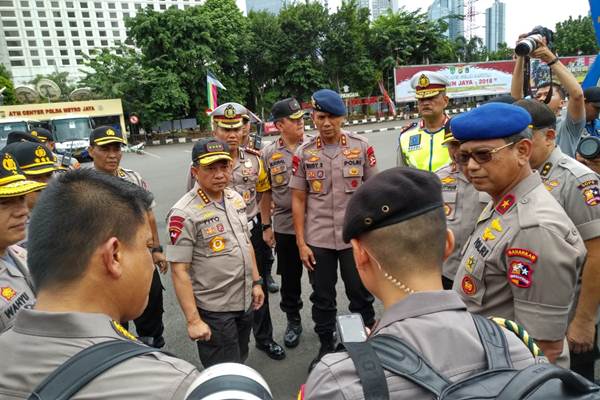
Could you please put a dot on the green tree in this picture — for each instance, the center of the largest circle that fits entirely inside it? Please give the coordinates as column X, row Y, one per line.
column 502, row 53
column 61, row 79
column 345, row 49
column 576, row 36
column 6, row 82
column 154, row 94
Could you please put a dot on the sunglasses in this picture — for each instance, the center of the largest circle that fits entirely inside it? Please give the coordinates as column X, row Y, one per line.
column 480, row 156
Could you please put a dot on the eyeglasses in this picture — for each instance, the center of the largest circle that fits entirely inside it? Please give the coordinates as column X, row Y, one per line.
column 480, row 156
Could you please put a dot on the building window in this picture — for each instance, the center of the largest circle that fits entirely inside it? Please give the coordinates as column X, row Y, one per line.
column 87, row 24
column 24, row 3
column 62, row 43
column 32, row 43
column 113, row 15
column 85, row 14
column 83, row 4
column 30, row 34
column 90, row 43
column 56, row 14
column 17, row 63
column 35, row 63
column 163, row 6
column 98, row 5
column 27, row 14
column 15, row 53
column 45, row 33
column 51, row 62
column 11, row 33
column 71, row 14
column 75, row 33
column 49, row 52
column 76, row 43
column 117, row 42
column 54, row 4
column 102, row 33
column 125, row 15
column 10, row 24
column 28, row 24
column 69, row 4
column 60, row 33
column 42, row 14
column 138, row 6
column 39, row 4
column 100, row 24
column 111, row 6
column 99, row 14
column 34, row 53
column 8, row 14
column 114, row 24
column 6, row 3
column 58, row 24
column 65, row 62
column 104, row 43
column 47, row 43
column 44, row 24
column 73, row 24
column 125, row 6
column 13, row 43
column 79, row 61
column 89, row 33
column 64, row 52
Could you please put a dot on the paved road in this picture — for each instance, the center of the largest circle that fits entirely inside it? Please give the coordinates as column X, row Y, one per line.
column 165, row 168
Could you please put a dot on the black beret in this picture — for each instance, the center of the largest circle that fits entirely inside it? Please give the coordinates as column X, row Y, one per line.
column 390, row 197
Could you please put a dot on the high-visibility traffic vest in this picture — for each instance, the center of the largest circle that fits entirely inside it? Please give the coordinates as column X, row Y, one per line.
column 423, row 149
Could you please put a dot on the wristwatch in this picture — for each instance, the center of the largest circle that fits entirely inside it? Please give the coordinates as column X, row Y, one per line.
column 258, row 282
column 265, row 227
column 157, row 249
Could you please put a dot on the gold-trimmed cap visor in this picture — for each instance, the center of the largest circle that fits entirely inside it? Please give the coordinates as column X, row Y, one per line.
column 210, row 158
column 19, row 186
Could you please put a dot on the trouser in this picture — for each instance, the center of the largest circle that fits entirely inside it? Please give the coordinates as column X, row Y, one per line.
column 230, row 334
column 584, row 363
column 262, row 325
column 289, row 266
column 150, row 323
column 323, row 279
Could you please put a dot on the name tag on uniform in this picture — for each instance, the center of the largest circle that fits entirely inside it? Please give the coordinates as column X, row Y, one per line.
column 414, row 142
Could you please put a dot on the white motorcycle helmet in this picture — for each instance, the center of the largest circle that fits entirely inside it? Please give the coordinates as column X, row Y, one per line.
column 229, row 381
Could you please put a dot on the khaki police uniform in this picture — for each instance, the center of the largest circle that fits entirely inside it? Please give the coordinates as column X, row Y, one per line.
column 16, row 286
column 437, row 325
column 421, row 148
column 330, row 174
column 277, row 158
column 462, row 205
column 214, row 239
column 523, row 261
column 41, row 341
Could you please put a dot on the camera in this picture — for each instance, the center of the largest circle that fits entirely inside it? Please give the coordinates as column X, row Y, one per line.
column 589, row 147
column 528, row 44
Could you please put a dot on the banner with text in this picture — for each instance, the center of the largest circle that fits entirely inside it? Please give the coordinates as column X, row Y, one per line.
column 483, row 79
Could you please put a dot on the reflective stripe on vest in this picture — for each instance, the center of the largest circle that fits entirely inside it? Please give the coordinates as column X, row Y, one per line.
column 424, row 150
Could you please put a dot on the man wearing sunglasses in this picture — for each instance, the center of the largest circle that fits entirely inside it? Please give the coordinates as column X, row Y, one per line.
column 575, row 187
column 462, row 205
column 420, row 143
column 524, row 257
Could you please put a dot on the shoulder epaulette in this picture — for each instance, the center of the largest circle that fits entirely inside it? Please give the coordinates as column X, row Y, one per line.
column 407, row 127
column 252, row 151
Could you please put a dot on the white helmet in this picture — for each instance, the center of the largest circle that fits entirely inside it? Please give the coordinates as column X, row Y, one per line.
column 229, row 381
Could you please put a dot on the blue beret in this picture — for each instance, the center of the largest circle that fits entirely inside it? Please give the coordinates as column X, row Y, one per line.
column 390, row 197
column 490, row 121
column 328, row 101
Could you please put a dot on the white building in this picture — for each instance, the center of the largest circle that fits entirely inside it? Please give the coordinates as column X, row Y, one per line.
column 495, row 25
column 45, row 36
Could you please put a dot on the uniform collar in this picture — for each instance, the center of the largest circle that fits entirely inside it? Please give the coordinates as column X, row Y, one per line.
column 551, row 162
column 519, row 191
column 422, row 125
column 203, row 196
column 420, row 303
column 343, row 140
column 281, row 143
column 67, row 325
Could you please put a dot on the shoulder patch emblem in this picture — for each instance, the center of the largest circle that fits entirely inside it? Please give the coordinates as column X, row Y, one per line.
column 522, row 253
column 505, row 204
column 520, row 274
column 591, row 192
column 295, row 164
column 122, row 331
column 468, row 286
column 175, row 227
column 7, row 293
column 371, row 156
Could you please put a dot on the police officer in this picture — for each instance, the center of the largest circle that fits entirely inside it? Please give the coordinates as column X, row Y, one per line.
column 523, row 260
column 16, row 287
column 462, row 206
column 327, row 170
column 397, row 228
column 46, row 137
column 105, row 150
column 420, row 143
column 277, row 158
column 575, row 187
column 38, row 165
column 87, row 277
column 250, row 179
column 213, row 265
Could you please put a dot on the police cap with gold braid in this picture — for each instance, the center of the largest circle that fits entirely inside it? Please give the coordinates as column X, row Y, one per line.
column 209, row 150
column 390, row 197
column 43, row 134
column 229, row 115
column 428, row 84
column 12, row 181
column 105, row 135
column 18, row 136
column 33, row 158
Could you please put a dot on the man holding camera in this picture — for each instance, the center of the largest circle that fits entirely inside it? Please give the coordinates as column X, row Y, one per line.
column 570, row 127
column 576, row 189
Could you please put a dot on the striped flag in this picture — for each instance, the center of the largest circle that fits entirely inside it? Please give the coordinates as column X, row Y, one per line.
column 212, row 90
column 387, row 99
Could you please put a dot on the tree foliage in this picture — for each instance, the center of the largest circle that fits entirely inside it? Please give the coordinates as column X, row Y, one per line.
column 61, row 79
column 576, row 36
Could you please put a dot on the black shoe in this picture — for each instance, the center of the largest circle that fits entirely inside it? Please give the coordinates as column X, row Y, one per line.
column 292, row 334
column 272, row 287
column 326, row 347
column 272, row 349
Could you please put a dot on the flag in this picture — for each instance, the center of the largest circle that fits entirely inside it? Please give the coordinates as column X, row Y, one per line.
column 212, row 90
column 387, row 99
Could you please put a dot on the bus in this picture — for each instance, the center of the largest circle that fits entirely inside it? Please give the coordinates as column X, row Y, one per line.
column 8, row 125
column 72, row 135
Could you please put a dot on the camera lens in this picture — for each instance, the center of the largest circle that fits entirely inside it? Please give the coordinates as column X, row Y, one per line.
column 589, row 147
column 525, row 46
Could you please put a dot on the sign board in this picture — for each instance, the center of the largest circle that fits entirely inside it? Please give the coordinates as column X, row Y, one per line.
column 134, row 119
column 348, row 95
column 483, row 79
